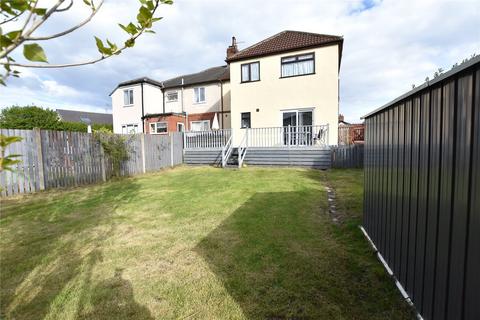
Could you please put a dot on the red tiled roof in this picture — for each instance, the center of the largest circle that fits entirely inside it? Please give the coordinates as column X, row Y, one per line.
column 285, row 41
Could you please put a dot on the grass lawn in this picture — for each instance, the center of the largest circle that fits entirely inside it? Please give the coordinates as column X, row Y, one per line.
column 194, row 243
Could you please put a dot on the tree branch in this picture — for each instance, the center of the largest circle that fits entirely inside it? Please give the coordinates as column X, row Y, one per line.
column 34, row 27
column 11, row 18
column 66, row 8
column 75, row 64
column 94, row 12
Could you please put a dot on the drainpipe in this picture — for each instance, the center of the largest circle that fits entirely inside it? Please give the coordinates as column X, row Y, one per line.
column 163, row 94
column 183, row 110
column 143, row 110
column 221, row 100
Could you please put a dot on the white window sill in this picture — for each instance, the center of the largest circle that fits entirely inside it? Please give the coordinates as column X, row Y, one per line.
column 171, row 101
column 128, row 105
column 201, row 102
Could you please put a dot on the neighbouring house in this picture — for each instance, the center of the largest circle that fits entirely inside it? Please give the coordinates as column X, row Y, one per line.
column 350, row 133
column 288, row 80
column 85, row 117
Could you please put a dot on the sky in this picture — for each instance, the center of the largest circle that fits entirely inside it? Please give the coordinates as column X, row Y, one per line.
column 388, row 46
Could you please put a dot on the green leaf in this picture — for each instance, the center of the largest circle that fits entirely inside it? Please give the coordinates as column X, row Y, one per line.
column 144, row 16
column 101, row 47
column 87, row 2
column 13, row 34
column 129, row 43
column 130, row 28
column 34, row 52
column 40, row 11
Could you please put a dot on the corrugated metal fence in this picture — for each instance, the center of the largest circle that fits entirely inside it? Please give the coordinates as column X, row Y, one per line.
column 56, row 159
column 347, row 156
column 422, row 192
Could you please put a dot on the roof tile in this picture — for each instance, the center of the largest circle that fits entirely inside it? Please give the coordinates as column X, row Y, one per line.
column 285, row 41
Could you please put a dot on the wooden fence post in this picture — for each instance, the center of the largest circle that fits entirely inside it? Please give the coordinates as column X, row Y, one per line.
column 102, row 163
column 171, row 149
column 38, row 144
column 142, row 142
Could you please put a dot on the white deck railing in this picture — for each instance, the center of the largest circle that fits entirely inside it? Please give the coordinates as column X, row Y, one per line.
column 215, row 139
column 291, row 136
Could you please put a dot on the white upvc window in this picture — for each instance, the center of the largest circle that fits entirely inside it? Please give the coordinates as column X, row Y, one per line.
column 298, row 65
column 158, row 128
column 199, row 95
column 202, row 125
column 172, row 96
column 128, row 97
column 251, row 72
column 130, row 128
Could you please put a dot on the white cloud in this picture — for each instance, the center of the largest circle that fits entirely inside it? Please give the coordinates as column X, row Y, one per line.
column 389, row 45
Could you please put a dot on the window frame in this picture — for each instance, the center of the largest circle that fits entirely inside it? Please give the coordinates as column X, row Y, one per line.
column 204, row 95
column 130, row 96
column 249, row 120
column 201, row 121
column 297, row 111
column 183, row 126
column 171, row 92
column 296, row 61
column 249, row 64
column 156, row 127
column 134, row 125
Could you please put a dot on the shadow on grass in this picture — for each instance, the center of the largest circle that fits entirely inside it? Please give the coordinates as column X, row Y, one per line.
column 55, row 243
column 273, row 259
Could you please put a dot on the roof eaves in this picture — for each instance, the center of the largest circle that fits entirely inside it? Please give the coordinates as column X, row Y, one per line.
column 325, row 44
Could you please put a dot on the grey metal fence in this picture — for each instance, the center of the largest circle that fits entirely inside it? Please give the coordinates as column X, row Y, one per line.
column 349, row 156
column 422, row 192
column 55, row 159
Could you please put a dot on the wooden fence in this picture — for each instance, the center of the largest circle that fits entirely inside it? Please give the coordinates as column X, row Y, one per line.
column 56, row 159
column 350, row 156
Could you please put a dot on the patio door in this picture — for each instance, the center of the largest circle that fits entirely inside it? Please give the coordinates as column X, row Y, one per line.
column 297, row 127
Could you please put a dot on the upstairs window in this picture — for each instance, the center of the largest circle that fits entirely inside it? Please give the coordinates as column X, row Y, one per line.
column 158, row 127
column 251, row 72
column 298, row 65
column 172, row 96
column 128, row 97
column 199, row 96
column 245, row 120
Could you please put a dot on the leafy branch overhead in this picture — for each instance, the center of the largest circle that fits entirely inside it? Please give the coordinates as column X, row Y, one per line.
column 22, row 18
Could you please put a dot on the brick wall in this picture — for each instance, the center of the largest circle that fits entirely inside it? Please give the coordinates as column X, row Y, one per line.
column 171, row 121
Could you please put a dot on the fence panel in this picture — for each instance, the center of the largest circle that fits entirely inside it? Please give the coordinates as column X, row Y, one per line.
column 58, row 159
column 422, row 195
column 347, row 156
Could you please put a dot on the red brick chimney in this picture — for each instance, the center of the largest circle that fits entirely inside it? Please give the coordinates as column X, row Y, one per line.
column 232, row 49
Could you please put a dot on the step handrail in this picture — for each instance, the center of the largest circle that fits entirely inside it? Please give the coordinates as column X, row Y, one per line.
column 226, row 152
column 242, row 151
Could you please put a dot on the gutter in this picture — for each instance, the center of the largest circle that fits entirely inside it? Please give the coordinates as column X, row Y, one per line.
column 404, row 293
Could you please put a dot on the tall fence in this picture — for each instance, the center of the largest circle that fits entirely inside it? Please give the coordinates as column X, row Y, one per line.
column 350, row 156
column 422, row 192
column 55, row 159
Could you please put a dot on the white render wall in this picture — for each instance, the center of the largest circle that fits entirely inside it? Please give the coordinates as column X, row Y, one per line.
column 273, row 94
column 122, row 115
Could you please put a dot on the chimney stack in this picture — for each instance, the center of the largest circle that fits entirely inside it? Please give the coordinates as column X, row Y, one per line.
column 341, row 118
column 232, row 49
